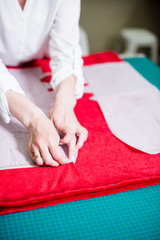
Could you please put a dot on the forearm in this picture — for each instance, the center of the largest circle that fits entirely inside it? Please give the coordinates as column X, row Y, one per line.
column 22, row 108
column 26, row 111
column 65, row 94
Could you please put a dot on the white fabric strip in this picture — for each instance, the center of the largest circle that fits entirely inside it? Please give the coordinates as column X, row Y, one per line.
column 130, row 104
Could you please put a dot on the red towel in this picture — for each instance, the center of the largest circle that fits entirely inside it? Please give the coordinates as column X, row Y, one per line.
column 104, row 166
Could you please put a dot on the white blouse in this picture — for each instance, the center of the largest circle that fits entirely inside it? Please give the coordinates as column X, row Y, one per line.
column 47, row 28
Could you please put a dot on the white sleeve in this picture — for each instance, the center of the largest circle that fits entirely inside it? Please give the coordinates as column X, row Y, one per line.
column 7, row 82
column 65, row 51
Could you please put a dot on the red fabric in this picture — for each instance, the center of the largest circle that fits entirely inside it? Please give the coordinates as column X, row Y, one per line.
column 102, row 57
column 91, row 59
column 104, row 166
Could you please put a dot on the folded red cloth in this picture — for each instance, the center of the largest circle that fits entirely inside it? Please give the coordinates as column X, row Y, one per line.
column 105, row 165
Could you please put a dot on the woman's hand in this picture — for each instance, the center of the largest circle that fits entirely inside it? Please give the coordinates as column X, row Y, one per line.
column 43, row 137
column 44, row 142
column 65, row 121
column 74, row 135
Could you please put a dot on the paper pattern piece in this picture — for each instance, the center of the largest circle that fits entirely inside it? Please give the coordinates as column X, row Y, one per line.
column 130, row 104
column 13, row 136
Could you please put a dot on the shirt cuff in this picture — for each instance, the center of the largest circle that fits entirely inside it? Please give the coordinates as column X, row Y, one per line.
column 7, row 82
column 67, row 70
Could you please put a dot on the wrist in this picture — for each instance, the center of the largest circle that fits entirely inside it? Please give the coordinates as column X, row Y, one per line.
column 31, row 118
column 22, row 108
column 65, row 94
column 65, row 102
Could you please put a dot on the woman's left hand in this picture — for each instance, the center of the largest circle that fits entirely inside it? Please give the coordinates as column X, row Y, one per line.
column 66, row 122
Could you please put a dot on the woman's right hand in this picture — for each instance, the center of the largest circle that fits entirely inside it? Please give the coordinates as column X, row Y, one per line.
column 44, row 142
column 43, row 137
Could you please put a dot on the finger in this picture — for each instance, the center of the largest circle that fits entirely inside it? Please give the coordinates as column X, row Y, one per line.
column 70, row 140
column 80, row 140
column 68, row 135
column 36, row 155
column 58, row 155
column 82, row 137
column 71, row 148
column 47, row 157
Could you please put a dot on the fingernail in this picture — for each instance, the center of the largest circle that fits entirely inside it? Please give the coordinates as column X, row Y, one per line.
column 57, row 164
column 68, row 161
column 54, row 164
column 39, row 162
column 73, row 159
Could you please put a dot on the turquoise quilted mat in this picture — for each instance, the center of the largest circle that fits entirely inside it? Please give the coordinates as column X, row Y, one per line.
column 147, row 68
column 130, row 215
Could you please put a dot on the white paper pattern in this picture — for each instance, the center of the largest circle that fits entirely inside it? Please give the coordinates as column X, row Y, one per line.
column 130, row 104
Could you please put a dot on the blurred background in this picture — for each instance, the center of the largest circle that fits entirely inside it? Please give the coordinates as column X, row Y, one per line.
column 103, row 21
